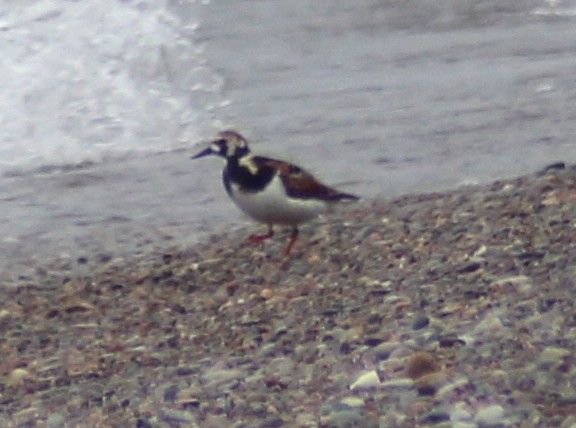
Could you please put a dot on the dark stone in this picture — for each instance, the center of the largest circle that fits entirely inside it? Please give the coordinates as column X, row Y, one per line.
column 345, row 348
column 332, row 311
column 476, row 292
column 184, row 371
column 530, row 255
column 173, row 342
column 469, row 267
column 273, row 422
column 435, row 417
column 372, row 341
column 382, row 355
column 449, row 341
column 104, row 258
column 554, row 167
column 178, row 309
column 427, row 390
column 420, row 322
column 171, row 393
column 374, row 318
column 142, row 423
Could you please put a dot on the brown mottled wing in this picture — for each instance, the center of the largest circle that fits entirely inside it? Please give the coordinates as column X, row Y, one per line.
column 301, row 184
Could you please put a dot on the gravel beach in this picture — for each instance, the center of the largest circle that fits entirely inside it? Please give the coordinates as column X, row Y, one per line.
column 452, row 309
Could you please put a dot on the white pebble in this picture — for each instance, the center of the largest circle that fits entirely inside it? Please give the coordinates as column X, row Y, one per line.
column 352, row 401
column 490, row 414
column 398, row 384
column 365, row 381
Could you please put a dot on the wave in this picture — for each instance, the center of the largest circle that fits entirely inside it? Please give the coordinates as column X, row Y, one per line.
column 100, row 78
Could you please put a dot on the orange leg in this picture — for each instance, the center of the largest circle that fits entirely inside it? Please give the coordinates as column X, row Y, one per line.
column 293, row 239
column 258, row 238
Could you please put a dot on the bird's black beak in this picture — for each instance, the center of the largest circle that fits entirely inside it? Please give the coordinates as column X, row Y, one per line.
column 206, row 152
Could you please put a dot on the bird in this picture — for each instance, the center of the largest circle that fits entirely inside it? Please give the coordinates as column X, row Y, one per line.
column 270, row 191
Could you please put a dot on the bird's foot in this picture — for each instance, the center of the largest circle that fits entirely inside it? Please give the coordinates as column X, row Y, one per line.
column 258, row 238
column 293, row 239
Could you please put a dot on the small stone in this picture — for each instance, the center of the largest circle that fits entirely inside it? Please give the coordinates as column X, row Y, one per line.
column 454, row 389
column 352, row 402
column 215, row 421
column 222, row 379
column 18, row 376
column 460, row 412
column 343, row 419
column 177, row 416
column 512, row 284
column 435, row 417
column 490, row 324
column 420, row 322
column 490, row 415
column 170, row 393
column 383, row 350
column 142, row 423
column 272, row 422
column 450, row 341
column 372, row 341
column 398, row 384
column 306, row 420
column 462, row 424
column 430, row 383
column 56, row 420
column 469, row 267
column 554, row 167
column 366, row 381
column 266, row 294
column 553, row 355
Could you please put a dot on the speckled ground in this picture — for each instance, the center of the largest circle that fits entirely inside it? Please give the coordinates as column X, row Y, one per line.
column 447, row 310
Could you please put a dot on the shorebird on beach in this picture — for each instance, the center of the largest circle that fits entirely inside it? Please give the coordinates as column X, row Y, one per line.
column 271, row 191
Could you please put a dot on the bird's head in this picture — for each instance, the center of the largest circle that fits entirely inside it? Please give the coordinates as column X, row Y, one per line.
column 229, row 144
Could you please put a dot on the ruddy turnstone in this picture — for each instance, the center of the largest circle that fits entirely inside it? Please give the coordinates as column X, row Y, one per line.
column 269, row 190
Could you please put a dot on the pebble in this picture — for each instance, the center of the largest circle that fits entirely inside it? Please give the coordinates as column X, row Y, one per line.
column 221, row 379
column 265, row 340
column 344, row 419
column 420, row 322
column 306, row 420
column 461, row 412
column 55, row 420
column 490, row 415
column 143, row 423
column 272, row 422
column 454, row 388
column 366, row 381
column 171, row 392
column 18, row 376
column 398, row 384
column 352, row 401
column 553, row 354
column 462, row 424
column 177, row 416
column 435, row 416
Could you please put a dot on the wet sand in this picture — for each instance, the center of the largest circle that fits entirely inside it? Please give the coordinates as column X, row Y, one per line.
column 444, row 309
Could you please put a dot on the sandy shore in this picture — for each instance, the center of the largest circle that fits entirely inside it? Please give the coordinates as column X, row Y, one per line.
column 449, row 309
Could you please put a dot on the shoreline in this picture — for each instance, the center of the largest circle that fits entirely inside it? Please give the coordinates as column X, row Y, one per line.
column 444, row 308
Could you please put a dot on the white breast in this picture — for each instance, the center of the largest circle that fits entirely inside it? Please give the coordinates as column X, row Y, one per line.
column 273, row 206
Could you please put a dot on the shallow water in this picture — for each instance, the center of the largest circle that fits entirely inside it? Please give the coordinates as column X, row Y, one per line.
column 378, row 98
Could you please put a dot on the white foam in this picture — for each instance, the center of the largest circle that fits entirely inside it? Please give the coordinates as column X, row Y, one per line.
column 88, row 79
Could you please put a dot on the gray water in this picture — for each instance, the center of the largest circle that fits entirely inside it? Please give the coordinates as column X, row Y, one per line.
column 380, row 98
